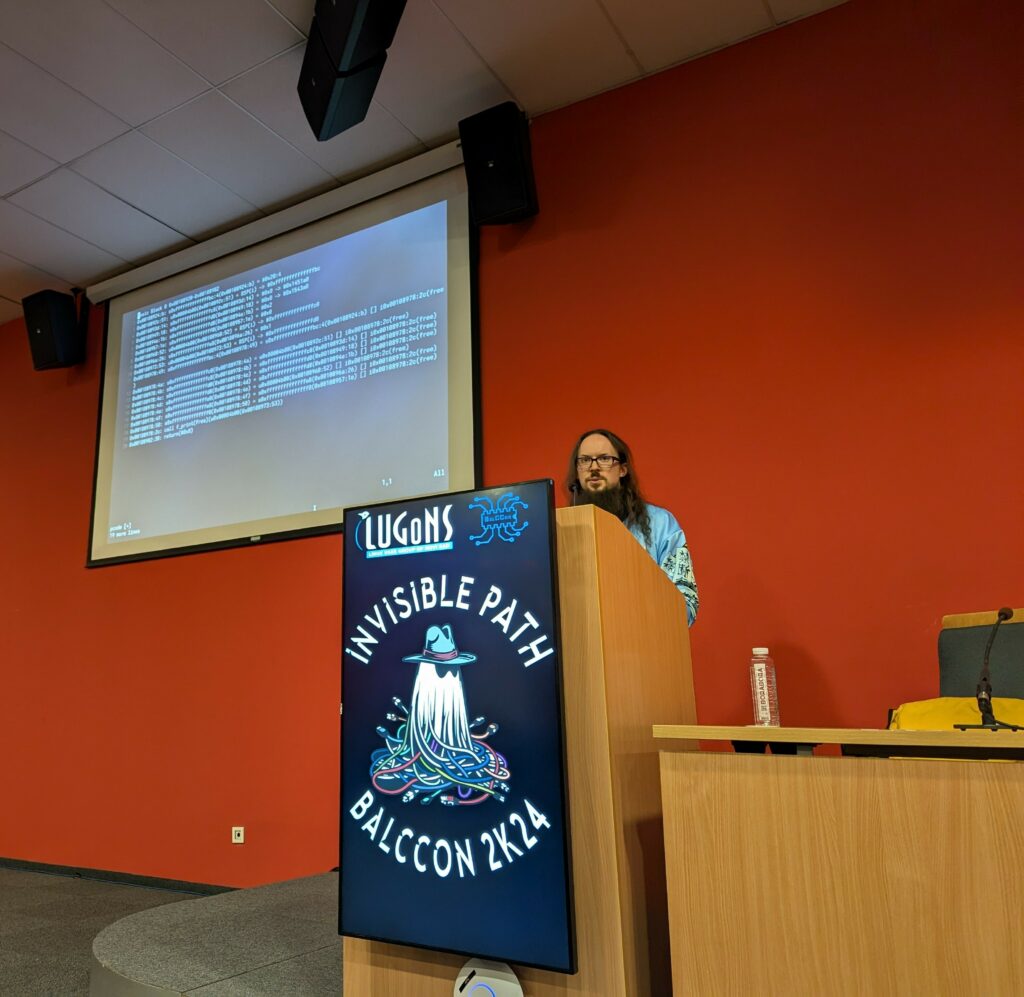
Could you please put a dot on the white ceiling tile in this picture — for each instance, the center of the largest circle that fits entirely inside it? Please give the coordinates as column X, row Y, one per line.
column 101, row 55
column 18, row 280
column 20, row 165
column 665, row 32
column 10, row 310
column 433, row 78
column 789, row 10
column 145, row 174
column 85, row 210
column 28, row 238
column 547, row 54
column 299, row 12
column 48, row 115
column 218, row 40
column 230, row 145
column 269, row 93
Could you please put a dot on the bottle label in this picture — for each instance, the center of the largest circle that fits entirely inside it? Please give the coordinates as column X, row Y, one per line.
column 762, row 709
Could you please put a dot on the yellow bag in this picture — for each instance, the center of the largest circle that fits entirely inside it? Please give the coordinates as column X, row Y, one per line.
column 946, row 711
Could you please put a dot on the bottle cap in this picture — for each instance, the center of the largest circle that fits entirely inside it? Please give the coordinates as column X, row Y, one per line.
column 760, row 652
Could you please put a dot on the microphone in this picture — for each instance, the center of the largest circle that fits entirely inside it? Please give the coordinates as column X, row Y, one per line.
column 984, row 689
column 574, row 490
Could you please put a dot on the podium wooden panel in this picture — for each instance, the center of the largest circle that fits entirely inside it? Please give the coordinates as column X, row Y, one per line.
column 626, row 664
column 843, row 876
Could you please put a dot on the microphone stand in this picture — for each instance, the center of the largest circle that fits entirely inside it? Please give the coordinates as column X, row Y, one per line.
column 984, row 689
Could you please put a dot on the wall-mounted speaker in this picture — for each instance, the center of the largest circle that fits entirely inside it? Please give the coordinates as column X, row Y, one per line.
column 55, row 336
column 499, row 168
column 344, row 57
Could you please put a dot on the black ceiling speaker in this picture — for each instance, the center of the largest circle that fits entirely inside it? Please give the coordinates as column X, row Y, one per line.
column 357, row 31
column 499, row 169
column 345, row 54
column 334, row 101
column 56, row 332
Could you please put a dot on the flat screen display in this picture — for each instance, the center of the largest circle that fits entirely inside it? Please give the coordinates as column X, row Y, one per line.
column 454, row 830
column 258, row 395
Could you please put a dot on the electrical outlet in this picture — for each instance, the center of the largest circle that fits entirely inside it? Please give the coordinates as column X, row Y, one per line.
column 238, row 835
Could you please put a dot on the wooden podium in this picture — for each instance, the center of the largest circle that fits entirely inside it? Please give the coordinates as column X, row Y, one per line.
column 829, row 875
column 626, row 665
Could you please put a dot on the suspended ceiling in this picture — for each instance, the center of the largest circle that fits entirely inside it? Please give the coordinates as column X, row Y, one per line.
column 130, row 129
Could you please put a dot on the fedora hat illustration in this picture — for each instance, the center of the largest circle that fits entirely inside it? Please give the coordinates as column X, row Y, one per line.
column 439, row 649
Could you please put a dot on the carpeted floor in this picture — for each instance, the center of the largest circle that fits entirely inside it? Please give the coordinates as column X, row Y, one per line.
column 48, row 923
column 277, row 940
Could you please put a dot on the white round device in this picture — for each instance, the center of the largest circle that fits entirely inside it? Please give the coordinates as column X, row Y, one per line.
column 480, row 978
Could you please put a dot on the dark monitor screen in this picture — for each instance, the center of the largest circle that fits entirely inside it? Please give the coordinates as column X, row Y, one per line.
column 454, row 828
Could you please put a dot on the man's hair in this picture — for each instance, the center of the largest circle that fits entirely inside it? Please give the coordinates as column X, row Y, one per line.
column 633, row 502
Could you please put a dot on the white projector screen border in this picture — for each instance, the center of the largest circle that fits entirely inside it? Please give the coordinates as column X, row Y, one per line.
column 463, row 463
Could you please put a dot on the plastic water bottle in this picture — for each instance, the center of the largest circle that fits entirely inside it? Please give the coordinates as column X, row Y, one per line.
column 763, row 688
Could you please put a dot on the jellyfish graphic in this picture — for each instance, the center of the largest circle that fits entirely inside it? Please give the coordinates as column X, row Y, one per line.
column 432, row 752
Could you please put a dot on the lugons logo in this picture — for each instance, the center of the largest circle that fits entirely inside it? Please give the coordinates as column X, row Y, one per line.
column 499, row 519
column 389, row 535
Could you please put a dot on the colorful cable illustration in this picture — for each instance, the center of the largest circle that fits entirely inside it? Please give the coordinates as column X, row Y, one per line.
column 433, row 753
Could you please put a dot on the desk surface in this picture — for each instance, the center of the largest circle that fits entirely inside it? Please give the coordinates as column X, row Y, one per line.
column 832, row 735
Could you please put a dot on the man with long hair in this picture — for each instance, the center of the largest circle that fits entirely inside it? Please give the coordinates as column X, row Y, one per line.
column 601, row 473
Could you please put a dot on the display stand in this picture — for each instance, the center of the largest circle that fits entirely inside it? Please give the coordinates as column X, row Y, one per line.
column 626, row 664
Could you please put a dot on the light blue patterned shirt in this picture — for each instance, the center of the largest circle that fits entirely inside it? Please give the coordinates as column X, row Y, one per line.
column 670, row 553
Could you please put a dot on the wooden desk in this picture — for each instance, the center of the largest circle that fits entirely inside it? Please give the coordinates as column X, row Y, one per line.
column 824, row 875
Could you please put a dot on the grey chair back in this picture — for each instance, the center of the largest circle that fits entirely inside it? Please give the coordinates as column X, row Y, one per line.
column 962, row 650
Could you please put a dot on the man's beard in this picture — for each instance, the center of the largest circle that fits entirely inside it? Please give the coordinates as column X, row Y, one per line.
column 612, row 500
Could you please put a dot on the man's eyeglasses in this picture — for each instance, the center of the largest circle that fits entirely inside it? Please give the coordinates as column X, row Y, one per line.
column 604, row 461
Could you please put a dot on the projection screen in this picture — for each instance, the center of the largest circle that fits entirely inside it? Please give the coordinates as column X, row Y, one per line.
column 255, row 396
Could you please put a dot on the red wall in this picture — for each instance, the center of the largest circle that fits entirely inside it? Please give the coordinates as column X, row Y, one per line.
column 787, row 273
